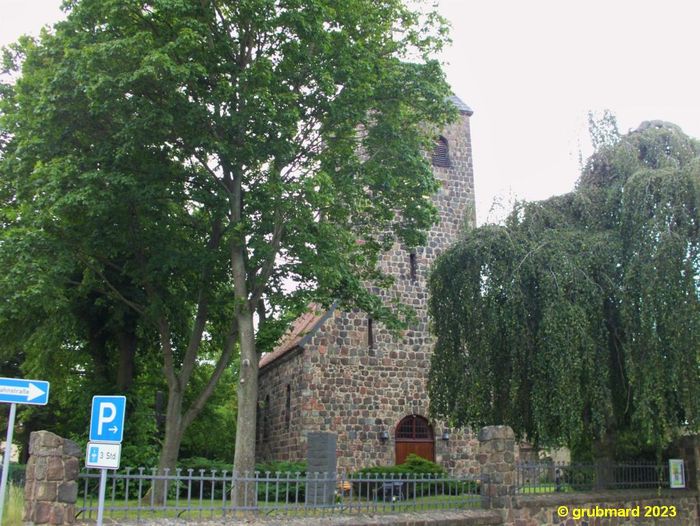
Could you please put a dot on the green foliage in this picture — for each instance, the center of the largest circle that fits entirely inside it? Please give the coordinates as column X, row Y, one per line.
column 159, row 161
column 281, row 466
column 413, row 464
column 578, row 320
column 196, row 464
column 414, row 467
column 212, row 434
column 293, row 487
column 14, row 505
column 16, row 474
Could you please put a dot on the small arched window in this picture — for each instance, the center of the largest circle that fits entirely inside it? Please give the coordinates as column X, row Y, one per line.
column 441, row 154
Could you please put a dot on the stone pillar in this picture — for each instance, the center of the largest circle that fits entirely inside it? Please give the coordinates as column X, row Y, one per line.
column 498, row 471
column 51, row 486
column 688, row 448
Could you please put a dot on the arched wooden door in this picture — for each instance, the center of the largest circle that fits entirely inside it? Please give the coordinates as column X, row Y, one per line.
column 414, row 434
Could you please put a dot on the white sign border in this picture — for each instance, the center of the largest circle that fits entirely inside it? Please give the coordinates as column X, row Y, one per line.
column 676, row 482
column 90, row 465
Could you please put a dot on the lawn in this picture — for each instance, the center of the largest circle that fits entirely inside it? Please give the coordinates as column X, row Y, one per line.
column 14, row 506
column 126, row 510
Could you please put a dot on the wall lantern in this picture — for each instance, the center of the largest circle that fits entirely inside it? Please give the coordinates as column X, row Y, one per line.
column 384, row 435
column 445, row 435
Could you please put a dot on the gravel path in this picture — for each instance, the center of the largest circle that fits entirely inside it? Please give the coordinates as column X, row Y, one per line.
column 434, row 518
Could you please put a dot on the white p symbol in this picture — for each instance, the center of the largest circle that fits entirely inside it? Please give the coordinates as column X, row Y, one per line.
column 103, row 417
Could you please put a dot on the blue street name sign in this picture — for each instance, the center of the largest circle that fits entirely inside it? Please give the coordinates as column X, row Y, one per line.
column 17, row 391
column 107, row 419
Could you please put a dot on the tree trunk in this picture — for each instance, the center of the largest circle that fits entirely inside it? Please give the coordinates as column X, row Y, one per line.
column 604, row 459
column 244, row 492
column 126, row 340
column 174, row 431
column 97, row 348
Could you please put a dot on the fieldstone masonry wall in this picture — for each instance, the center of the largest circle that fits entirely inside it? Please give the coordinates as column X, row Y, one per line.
column 281, row 437
column 341, row 382
column 497, row 458
column 688, row 448
column 497, row 453
column 51, row 486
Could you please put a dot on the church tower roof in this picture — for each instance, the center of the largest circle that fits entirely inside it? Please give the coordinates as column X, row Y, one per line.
column 461, row 106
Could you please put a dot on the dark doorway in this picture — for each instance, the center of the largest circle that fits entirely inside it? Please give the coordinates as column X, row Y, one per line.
column 414, row 435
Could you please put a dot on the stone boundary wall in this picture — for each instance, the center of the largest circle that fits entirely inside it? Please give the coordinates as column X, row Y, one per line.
column 51, row 486
column 426, row 518
column 576, row 509
column 497, row 457
column 52, row 471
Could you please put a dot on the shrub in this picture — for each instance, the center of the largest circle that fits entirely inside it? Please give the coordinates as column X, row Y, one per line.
column 412, row 468
column 196, row 464
column 16, row 474
column 291, row 490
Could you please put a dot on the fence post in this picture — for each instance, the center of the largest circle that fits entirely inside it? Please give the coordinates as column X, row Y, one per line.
column 688, row 448
column 498, row 470
column 51, row 486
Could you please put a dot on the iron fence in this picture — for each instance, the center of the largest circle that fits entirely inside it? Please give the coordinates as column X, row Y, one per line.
column 551, row 477
column 140, row 493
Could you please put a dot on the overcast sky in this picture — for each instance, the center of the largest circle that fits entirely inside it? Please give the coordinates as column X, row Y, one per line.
column 531, row 71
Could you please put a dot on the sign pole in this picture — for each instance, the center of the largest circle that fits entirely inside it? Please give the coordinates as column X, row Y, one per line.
column 104, row 446
column 6, row 458
column 101, row 501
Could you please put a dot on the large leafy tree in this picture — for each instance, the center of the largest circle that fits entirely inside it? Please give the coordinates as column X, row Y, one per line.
column 578, row 320
column 275, row 132
column 104, row 231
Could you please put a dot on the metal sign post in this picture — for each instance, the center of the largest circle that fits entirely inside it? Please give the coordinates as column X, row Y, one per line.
column 6, row 458
column 15, row 391
column 104, row 449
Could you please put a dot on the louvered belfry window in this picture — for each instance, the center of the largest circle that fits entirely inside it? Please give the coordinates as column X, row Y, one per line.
column 414, row 428
column 441, row 154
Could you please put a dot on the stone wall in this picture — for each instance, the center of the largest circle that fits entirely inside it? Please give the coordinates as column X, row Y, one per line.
column 281, row 436
column 688, row 448
column 497, row 458
column 51, row 486
column 357, row 388
column 607, row 508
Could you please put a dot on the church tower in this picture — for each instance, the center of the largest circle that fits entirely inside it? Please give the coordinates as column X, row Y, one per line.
column 344, row 373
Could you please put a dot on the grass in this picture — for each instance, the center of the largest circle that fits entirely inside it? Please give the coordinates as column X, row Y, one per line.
column 14, row 506
column 346, row 506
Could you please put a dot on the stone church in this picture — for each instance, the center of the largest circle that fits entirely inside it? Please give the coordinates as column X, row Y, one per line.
column 342, row 372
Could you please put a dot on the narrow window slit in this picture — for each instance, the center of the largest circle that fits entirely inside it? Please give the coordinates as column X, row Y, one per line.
column 414, row 266
column 288, row 408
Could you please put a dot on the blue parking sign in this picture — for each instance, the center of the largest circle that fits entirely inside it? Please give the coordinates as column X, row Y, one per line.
column 107, row 419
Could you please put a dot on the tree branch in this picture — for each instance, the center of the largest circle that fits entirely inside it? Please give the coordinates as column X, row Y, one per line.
column 202, row 309
column 221, row 365
column 269, row 265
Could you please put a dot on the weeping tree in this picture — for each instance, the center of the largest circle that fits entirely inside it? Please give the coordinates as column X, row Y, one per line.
column 577, row 321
